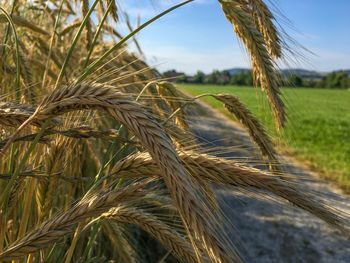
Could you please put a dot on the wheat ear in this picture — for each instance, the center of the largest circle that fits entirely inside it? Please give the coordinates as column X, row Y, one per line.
column 255, row 128
column 264, row 71
column 264, row 20
column 228, row 172
column 151, row 224
column 189, row 197
column 61, row 225
column 114, row 9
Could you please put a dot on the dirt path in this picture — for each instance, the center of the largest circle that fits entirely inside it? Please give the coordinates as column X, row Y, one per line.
column 272, row 231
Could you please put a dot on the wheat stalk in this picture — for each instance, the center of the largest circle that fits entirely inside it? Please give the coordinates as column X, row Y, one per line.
column 88, row 26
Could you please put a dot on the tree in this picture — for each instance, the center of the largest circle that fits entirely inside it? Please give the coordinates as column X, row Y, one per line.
column 213, row 78
column 294, row 81
column 199, row 77
column 336, row 80
column 242, row 79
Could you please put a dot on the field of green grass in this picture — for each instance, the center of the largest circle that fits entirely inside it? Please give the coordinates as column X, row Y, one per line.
column 318, row 128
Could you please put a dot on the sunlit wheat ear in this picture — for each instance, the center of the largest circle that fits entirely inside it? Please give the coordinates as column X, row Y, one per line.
column 255, row 128
column 264, row 20
column 188, row 196
column 264, row 71
column 61, row 225
column 227, row 172
column 160, row 231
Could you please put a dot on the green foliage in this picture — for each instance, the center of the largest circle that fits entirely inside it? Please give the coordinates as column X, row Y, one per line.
column 224, row 78
column 242, row 79
column 336, row 80
column 294, row 81
column 214, row 77
column 199, row 77
column 333, row 80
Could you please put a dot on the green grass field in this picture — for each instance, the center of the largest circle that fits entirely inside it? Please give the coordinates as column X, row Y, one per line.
column 318, row 129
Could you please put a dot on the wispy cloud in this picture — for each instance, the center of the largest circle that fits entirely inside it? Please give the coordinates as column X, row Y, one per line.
column 199, row 36
column 326, row 60
column 148, row 9
column 189, row 60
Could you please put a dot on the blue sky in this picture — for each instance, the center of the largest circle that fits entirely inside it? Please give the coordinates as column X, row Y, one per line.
column 198, row 36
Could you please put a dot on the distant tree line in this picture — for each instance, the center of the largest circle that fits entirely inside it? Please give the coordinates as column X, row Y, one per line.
column 216, row 77
column 333, row 80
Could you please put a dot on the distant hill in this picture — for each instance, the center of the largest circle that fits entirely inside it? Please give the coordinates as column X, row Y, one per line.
column 347, row 71
column 303, row 73
column 236, row 71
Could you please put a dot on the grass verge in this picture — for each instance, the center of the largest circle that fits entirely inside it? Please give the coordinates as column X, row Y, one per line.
column 318, row 128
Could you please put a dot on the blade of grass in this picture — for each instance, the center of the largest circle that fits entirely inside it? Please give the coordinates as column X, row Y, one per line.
column 7, row 30
column 92, row 66
column 51, row 44
column 18, row 68
column 74, row 43
column 97, row 33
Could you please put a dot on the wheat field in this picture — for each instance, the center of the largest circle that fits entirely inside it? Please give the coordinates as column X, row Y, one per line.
column 97, row 158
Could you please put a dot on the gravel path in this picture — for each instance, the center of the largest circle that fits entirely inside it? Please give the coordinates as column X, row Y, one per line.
column 271, row 231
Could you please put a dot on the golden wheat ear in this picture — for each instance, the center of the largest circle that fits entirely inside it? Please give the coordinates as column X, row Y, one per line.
column 255, row 128
column 264, row 71
column 230, row 173
column 190, row 198
column 62, row 224
column 265, row 22
column 159, row 230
